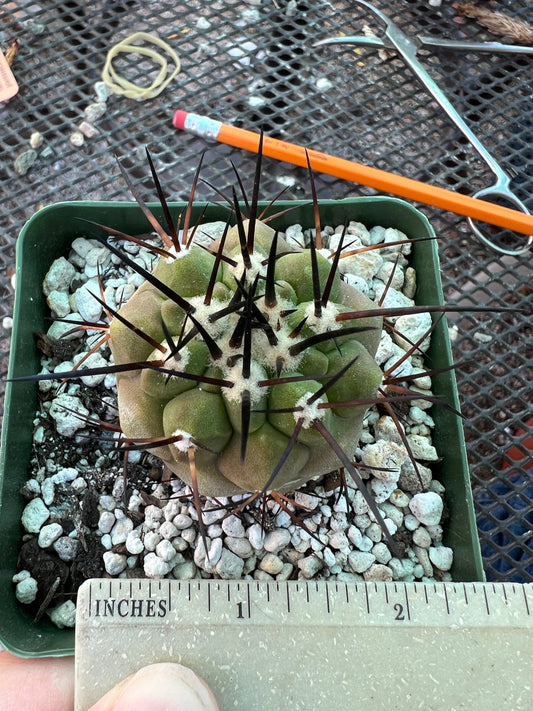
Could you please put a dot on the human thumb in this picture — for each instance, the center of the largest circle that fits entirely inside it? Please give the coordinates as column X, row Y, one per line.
column 159, row 687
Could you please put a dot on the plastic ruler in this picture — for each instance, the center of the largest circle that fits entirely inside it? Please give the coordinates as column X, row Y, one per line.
column 315, row 645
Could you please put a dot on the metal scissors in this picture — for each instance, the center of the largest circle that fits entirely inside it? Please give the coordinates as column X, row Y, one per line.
column 408, row 48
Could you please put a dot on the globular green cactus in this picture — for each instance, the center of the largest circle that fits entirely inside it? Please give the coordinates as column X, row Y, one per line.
column 241, row 370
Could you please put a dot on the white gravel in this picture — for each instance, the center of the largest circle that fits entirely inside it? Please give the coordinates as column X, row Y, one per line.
column 159, row 536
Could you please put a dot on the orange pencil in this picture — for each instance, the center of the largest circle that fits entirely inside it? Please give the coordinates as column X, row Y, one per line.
column 357, row 173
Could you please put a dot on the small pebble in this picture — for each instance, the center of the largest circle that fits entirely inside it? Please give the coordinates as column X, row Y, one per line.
column 121, row 530
column 64, row 615
column 48, row 491
column 95, row 111
column 151, row 539
column 286, row 572
column 276, row 540
column 114, row 563
column 232, row 526
column 378, row 573
column 306, row 501
column 36, row 139
column 24, row 161
column 422, row 448
column 35, row 514
column 21, row 575
column 184, row 571
column 240, row 546
column 168, row 530
column 256, row 536
column 229, row 565
column 423, row 558
column 69, row 414
column 421, row 537
column 26, row 591
column 134, row 543
column 213, row 515
column 165, row 550
column 427, row 508
column 64, row 475
column 107, row 502
column 154, row 566
column 153, row 516
column 338, row 540
column 441, row 557
column 189, row 535
column 182, row 521
column 271, row 564
column 59, row 277
column 66, row 548
column 49, row 534
column 77, row 139
column 309, row 566
column 360, row 561
column 382, row 553
column 106, row 521
column 102, row 91
column 87, row 129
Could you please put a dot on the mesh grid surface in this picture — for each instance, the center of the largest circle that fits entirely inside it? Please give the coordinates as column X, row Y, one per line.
column 253, row 64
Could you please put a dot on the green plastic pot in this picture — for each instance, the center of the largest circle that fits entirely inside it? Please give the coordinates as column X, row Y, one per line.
column 48, row 235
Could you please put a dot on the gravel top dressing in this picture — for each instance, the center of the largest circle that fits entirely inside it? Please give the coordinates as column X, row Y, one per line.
column 89, row 515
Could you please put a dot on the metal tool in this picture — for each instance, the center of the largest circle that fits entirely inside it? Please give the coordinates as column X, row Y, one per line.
column 314, row 644
column 408, row 49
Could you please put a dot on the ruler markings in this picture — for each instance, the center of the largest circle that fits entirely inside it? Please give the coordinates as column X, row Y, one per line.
column 446, row 599
column 486, row 600
column 404, row 601
column 525, row 600
column 407, row 603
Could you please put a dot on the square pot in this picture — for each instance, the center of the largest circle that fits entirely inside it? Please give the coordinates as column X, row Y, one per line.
column 48, row 235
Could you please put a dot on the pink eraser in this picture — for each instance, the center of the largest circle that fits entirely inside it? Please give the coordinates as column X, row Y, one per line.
column 179, row 119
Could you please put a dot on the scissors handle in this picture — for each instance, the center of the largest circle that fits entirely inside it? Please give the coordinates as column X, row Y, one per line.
column 501, row 190
column 408, row 49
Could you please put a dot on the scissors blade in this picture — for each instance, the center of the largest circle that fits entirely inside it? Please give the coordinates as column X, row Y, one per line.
column 423, row 41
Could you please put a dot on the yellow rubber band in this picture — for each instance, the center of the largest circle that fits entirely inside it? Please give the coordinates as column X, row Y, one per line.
column 120, row 85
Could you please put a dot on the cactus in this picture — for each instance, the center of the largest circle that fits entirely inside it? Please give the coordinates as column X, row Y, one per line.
column 254, row 325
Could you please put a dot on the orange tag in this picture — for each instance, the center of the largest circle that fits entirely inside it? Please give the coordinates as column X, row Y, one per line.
column 8, row 83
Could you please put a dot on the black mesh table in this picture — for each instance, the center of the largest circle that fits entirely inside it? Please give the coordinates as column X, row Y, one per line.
column 253, row 64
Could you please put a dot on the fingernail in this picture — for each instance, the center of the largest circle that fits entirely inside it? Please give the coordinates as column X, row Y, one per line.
column 161, row 687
